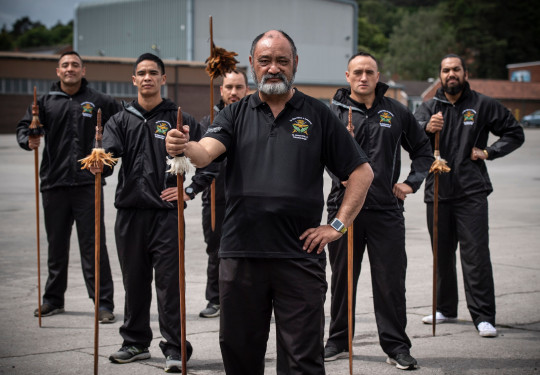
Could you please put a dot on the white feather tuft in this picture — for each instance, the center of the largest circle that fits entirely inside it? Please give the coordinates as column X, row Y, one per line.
column 179, row 165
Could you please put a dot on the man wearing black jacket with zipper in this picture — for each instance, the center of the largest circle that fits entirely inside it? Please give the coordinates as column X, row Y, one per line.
column 68, row 115
column 381, row 127
column 147, row 218
column 464, row 119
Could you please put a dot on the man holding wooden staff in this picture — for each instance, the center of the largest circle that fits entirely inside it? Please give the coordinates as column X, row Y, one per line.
column 68, row 114
column 465, row 118
column 147, row 217
column 233, row 88
column 277, row 142
column 381, row 127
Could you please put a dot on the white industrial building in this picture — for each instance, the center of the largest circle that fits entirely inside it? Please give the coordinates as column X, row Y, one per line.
column 324, row 31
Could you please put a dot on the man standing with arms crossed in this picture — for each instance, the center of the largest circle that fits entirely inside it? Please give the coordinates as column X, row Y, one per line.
column 68, row 114
column 381, row 127
column 464, row 119
column 277, row 142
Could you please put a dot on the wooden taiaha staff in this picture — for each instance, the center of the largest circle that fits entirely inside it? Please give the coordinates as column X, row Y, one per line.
column 219, row 63
column 213, row 185
column 180, row 166
column 439, row 166
column 350, row 257
column 96, row 160
column 36, row 130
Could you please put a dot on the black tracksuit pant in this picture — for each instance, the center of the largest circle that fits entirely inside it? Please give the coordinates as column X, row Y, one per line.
column 62, row 207
column 383, row 232
column 464, row 221
column 295, row 289
column 212, row 240
column 147, row 241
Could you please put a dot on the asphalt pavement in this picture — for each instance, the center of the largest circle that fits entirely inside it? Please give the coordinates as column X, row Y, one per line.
column 65, row 343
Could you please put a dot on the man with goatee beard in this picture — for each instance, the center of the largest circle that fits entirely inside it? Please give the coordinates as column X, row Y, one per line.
column 464, row 119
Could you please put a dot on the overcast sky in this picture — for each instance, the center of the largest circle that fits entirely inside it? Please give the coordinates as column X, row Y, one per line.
column 48, row 12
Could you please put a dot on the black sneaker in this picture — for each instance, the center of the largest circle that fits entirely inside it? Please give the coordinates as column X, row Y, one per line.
column 128, row 354
column 48, row 310
column 106, row 317
column 211, row 311
column 403, row 361
column 331, row 353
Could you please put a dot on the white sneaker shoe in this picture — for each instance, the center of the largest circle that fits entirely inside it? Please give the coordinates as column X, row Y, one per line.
column 440, row 318
column 485, row 329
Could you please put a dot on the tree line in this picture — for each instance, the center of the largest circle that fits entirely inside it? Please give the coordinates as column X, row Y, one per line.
column 409, row 37
column 26, row 34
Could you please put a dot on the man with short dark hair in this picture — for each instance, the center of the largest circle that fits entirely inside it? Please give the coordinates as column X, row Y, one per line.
column 465, row 118
column 382, row 126
column 277, row 143
column 233, row 88
column 147, row 217
column 68, row 114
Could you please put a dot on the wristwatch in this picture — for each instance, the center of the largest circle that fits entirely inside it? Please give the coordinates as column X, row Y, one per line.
column 338, row 225
column 190, row 193
column 486, row 153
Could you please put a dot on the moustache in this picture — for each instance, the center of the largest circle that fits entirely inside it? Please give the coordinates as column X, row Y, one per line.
column 268, row 76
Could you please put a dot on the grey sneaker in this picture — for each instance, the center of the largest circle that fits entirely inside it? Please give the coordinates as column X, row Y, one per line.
column 106, row 317
column 331, row 353
column 211, row 311
column 173, row 363
column 403, row 361
column 48, row 310
column 128, row 354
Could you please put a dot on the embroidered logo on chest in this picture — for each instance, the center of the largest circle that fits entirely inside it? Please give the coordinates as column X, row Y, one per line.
column 385, row 118
column 87, row 109
column 162, row 127
column 469, row 116
column 300, row 128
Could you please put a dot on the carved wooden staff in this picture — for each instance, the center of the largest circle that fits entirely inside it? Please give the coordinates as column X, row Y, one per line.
column 350, row 257
column 96, row 160
column 36, row 130
column 439, row 166
column 180, row 166
column 220, row 62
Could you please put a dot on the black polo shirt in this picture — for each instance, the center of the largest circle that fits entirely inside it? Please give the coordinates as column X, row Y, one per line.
column 274, row 175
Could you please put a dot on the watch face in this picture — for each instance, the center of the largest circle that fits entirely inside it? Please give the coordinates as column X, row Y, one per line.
column 337, row 225
column 189, row 190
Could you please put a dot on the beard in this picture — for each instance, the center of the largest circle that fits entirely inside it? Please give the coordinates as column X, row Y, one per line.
column 279, row 88
column 453, row 90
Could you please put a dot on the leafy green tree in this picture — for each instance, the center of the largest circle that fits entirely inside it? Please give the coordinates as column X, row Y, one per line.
column 62, row 34
column 6, row 40
column 418, row 42
column 36, row 37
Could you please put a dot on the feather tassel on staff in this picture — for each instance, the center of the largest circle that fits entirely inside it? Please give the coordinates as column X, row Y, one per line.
column 97, row 159
column 219, row 63
column 350, row 257
column 179, row 166
column 439, row 166
column 36, row 130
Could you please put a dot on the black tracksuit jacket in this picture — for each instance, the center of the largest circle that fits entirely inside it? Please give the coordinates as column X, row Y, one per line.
column 138, row 137
column 467, row 124
column 377, row 135
column 69, row 123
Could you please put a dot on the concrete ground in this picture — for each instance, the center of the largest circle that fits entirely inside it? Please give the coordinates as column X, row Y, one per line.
column 64, row 344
